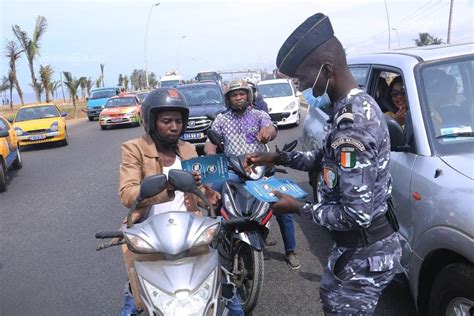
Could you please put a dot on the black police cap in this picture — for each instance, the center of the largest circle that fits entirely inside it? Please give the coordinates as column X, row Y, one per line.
column 313, row 32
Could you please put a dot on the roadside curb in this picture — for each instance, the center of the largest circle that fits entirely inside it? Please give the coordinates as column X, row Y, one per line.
column 75, row 121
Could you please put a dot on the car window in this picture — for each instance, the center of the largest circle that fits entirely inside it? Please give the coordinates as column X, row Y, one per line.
column 205, row 94
column 35, row 113
column 103, row 94
column 118, row 102
column 3, row 125
column 360, row 74
column 275, row 90
column 448, row 104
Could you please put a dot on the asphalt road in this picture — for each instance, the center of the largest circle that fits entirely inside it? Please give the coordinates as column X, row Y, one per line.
column 63, row 195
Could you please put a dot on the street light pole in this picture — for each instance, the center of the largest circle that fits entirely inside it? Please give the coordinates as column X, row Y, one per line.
column 388, row 23
column 177, row 53
column 146, row 38
column 398, row 37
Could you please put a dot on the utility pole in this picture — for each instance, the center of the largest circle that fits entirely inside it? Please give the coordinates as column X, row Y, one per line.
column 388, row 24
column 450, row 20
column 146, row 38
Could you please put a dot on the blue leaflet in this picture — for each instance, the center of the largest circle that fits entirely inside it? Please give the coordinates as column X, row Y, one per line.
column 213, row 168
column 262, row 189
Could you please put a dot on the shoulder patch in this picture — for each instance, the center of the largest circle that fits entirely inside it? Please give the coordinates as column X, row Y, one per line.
column 348, row 141
column 345, row 115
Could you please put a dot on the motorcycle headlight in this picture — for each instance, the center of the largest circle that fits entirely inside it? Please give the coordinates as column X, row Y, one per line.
column 229, row 206
column 54, row 127
column 18, row 131
column 137, row 243
column 183, row 302
column 207, row 236
column 290, row 106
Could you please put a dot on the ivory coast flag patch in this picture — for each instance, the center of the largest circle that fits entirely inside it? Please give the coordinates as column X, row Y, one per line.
column 348, row 157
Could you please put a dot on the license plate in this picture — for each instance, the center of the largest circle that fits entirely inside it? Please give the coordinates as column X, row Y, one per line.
column 193, row 135
column 37, row 137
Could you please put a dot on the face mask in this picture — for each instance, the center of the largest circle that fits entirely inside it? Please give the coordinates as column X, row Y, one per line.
column 317, row 102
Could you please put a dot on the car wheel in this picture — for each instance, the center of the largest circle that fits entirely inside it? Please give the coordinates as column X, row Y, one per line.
column 453, row 291
column 18, row 164
column 3, row 176
column 91, row 118
column 64, row 142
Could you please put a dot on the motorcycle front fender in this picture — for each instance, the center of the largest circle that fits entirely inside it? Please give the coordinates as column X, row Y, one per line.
column 252, row 238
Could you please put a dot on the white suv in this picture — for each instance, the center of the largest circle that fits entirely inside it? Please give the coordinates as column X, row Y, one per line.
column 282, row 100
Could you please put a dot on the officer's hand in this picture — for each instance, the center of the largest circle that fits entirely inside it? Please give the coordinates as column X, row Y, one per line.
column 260, row 159
column 266, row 134
column 197, row 177
column 285, row 204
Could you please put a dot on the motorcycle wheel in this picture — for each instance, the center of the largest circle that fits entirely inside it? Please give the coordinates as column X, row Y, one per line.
column 249, row 276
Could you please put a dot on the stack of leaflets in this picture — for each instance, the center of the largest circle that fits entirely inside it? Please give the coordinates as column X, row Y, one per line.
column 213, row 168
column 262, row 189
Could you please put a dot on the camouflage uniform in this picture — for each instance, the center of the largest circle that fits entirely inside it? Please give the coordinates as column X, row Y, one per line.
column 355, row 168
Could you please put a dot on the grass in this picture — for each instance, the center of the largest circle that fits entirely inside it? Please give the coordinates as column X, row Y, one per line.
column 80, row 111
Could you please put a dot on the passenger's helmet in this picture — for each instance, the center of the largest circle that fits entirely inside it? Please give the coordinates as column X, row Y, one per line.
column 238, row 85
column 162, row 100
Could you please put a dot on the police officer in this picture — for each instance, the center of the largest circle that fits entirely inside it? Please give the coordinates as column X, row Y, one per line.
column 354, row 162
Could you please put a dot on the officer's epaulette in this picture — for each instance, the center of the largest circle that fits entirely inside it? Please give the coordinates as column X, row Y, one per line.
column 345, row 116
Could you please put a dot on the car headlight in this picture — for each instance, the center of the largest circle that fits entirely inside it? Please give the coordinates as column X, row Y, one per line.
column 104, row 117
column 290, row 106
column 54, row 127
column 207, row 236
column 18, row 131
column 137, row 243
column 229, row 206
column 183, row 302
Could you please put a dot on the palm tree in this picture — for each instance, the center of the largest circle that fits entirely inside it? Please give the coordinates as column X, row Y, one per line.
column 46, row 75
column 31, row 47
column 5, row 85
column 426, row 39
column 54, row 87
column 89, row 86
column 13, row 51
column 83, row 88
column 98, row 82
column 120, row 80
column 102, row 73
column 11, row 80
column 72, row 84
column 39, row 88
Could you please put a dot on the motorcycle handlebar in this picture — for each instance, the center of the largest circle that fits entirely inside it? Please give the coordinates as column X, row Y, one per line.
column 106, row 235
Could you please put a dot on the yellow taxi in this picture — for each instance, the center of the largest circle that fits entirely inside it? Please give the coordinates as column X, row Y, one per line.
column 10, row 156
column 40, row 123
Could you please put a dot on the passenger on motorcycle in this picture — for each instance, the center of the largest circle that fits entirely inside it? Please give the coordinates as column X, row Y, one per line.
column 165, row 117
column 244, row 130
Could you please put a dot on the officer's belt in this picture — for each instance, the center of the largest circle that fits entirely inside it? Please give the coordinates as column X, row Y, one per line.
column 379, row 229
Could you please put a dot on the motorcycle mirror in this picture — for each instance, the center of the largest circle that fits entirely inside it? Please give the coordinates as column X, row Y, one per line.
column 211, row 116
column 290, row 146
column 152, row 185
column 184, row 181
column 216, row 139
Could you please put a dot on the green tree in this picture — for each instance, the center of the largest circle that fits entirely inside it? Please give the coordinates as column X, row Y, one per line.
column 4, row 85
column 13, row 52
column 88, row 86
column 138, row 79
column 31, row 47
column 54, row 88
column 83, row 88
column 120, row 80
column 72, row 85
column 98, row 82
column 46, row 75
column 125, row 82
column 425, row 39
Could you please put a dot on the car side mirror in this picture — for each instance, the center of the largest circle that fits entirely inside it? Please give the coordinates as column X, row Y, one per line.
column 397, row 137
column 11, row 119
column 64, row 114
column 184, row 181
column 215, row 139
column 4, row 133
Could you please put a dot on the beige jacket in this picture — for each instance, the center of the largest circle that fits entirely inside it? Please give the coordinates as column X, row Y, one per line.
column 140, row 159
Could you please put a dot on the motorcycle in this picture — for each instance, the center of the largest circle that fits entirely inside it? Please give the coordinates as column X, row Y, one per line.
column 178, row 273
column 243, row 250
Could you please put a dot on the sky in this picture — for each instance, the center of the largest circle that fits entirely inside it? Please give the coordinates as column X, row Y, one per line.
column 193, row 36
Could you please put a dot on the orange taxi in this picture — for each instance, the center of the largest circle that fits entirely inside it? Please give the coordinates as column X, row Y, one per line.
column 123, row 109
column 10, row 156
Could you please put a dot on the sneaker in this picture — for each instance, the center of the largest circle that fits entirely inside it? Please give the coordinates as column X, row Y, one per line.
column 292, row 260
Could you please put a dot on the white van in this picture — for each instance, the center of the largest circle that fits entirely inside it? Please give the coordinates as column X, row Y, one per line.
column 282, row 99
column 171, row 81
